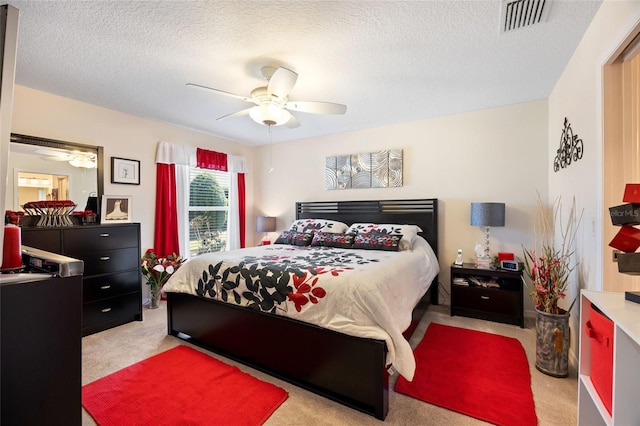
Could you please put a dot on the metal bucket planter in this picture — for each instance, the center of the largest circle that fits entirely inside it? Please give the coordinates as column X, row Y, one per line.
column 552, row 343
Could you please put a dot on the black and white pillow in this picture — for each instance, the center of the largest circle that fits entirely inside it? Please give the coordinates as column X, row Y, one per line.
column 318, row 225
column 408, row 232
column 294, row 238
column 377, row 241
column 332, row 239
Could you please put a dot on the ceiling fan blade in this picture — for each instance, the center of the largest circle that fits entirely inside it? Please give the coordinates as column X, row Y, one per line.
column 221, row 92
column 281, row 82
column 235, row 114
column 53, row 158
column 315, row 107
column 292, row 123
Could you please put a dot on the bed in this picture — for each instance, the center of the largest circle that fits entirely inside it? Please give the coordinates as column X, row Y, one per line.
column 349, row 369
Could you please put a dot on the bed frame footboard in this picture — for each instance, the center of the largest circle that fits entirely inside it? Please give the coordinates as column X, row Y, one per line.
column 347, row 369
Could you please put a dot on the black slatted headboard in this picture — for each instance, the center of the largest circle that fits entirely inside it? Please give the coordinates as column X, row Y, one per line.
column 423, row 213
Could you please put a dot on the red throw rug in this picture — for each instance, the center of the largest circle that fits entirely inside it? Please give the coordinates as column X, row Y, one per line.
column 479, row 374
column 181, row 386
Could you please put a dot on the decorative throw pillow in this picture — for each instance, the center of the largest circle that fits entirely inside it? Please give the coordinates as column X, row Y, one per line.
column 408, row 232
column 318, row 225
column 331, row 239
column 377, row 241
column 294, row 238
column 301, row 238
column 283, row 238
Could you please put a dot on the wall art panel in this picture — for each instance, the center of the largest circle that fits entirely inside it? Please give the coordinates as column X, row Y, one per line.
column 381, row 169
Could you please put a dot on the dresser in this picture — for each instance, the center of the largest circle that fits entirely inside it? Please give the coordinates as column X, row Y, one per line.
column 111, row 288
column 40, row 350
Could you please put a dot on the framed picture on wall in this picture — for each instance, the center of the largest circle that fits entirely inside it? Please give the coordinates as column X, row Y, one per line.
column 125, row 171
column 116, row 209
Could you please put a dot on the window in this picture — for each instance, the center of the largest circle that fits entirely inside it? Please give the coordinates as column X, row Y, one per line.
column 208, row 210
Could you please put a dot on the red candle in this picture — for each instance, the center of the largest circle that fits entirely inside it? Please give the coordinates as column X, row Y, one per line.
column 12, row 248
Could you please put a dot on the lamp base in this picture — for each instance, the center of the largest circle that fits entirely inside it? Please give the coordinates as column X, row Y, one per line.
column 483, row 262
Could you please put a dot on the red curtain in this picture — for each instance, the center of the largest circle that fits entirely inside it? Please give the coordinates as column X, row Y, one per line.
column 165, row 238
column 211, row 160
column 241, row 209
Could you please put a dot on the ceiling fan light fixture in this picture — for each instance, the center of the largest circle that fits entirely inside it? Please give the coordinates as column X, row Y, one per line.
column 269, row 114
column 83, row 162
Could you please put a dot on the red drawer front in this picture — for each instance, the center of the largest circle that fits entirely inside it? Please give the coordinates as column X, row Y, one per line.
column 599, row 328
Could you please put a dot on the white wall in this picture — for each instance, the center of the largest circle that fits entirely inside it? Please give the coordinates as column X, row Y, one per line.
column 496, row 155
column 42, row 114
column 578, row 96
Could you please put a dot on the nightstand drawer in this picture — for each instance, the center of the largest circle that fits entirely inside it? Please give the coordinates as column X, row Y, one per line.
column 107, row 310
column 486, row 299
column 111, row 285
column 108, row 261
column 78, row 240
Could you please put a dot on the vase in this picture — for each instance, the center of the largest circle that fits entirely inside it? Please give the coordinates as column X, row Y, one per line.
column 154, row 296
column 552, row 343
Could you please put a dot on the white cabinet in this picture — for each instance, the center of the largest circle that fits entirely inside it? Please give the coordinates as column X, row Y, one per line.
column 626, row 362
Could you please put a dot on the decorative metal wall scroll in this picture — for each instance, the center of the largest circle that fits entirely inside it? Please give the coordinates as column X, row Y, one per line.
column 380, row 169
column 571, row 148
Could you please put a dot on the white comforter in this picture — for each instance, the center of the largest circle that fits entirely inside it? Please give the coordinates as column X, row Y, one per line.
column 364, row 293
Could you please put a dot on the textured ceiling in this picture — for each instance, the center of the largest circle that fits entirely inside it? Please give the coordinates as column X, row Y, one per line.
column 388, row 61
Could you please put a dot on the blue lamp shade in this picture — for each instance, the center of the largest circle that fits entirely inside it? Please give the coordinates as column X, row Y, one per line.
column 266, row 224
column 487, row 214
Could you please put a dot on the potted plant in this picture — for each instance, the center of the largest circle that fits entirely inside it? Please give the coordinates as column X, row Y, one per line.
column 548, row 267
column 157, row 271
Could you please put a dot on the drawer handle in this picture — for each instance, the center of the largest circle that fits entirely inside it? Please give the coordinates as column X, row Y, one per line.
column 105, row 258
column 484, row 297
column 105, row 310
column 104, row 234
column 105, row 287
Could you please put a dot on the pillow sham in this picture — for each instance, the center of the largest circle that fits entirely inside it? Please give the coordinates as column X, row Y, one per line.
column 318, row 225
column 294, row 238
column 333, row 239
column 408, row 232
column 377, row 241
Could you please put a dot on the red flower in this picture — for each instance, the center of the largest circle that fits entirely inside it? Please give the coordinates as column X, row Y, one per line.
column 305, row 290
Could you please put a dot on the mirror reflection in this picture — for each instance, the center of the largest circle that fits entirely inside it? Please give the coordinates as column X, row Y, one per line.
column 44, row 169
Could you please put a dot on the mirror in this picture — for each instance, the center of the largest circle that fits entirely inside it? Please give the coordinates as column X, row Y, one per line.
column 47, row 169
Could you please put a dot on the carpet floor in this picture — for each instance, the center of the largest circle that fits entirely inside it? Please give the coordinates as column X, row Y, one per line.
column 555, row 399
column 483, row 375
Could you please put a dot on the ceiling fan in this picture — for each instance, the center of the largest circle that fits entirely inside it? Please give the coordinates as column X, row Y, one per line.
column 75, row 158
column 272, row 104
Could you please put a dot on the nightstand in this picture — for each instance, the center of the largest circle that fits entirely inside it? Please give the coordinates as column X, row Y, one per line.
column 489, row 294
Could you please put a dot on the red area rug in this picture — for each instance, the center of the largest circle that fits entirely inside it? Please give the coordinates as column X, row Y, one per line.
column 479, row 374
column 181, row 386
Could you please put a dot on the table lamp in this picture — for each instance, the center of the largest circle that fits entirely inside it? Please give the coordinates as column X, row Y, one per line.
column 266, row 224
column 487, row 215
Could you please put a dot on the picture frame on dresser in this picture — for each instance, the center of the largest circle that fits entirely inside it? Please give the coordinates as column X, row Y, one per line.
column 125, row 171
column 116, row 209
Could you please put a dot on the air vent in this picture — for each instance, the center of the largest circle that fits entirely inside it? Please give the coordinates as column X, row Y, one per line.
column 517, row 14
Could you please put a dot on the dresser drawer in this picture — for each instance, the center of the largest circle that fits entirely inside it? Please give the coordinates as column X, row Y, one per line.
column 111, row 285
column 79, row 240
column 486, row 299
column 109, row 261
column 108, row 310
